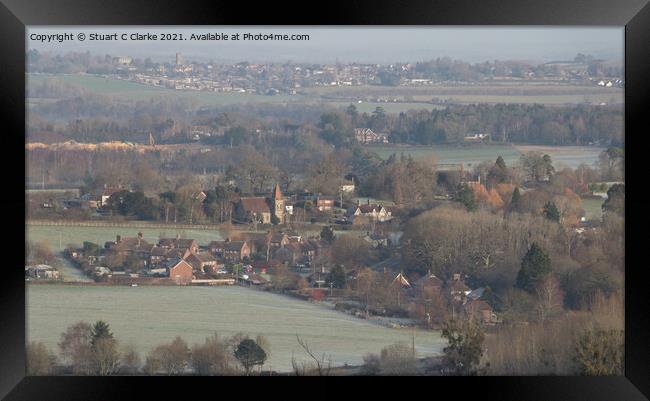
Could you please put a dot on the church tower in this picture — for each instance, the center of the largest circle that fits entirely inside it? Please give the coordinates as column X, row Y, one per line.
column 278, row 204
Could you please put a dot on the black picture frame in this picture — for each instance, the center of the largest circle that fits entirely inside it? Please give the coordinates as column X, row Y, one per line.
column 15, row 15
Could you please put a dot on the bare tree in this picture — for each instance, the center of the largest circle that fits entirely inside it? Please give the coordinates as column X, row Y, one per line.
column 39, row 359
column 397, row 360
column 105, row 356
column 213, row 357
column 319, row 366
column 173, row 358
column 549, row 298
column 129, row 360
column 76, row 347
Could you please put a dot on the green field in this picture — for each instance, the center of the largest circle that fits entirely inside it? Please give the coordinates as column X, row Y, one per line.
column 593, row 208
column 133, row 91
column 511, row 92
column 472, row 155
column 145, row 316
column 445, row 154
column 369, row 107
column 58, row 237
column 462, row 94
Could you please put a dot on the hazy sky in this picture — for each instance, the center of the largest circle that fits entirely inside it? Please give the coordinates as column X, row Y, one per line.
column 360, row 44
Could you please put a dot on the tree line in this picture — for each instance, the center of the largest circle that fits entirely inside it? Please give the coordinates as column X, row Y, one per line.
column 86, row 349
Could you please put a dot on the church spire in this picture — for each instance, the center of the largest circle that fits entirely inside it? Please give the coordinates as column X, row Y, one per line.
column 277, row 194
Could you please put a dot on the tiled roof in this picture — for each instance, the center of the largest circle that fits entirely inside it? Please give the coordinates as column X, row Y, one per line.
column 176, row 242
column 458, row 285
column 184, row 243
column 255, row 204
column 216, row 244
column 429, row 280
column 158, row 251
column 132, row 244
column 234, row 245
column 478, row 305
column 204, row 257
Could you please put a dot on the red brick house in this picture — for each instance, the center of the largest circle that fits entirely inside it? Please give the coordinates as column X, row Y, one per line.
column 180, row 272
column 457, row 288
column 236, row 250
column 480, row 310
column 201, row 261
column 428, row 286
column 157, row 256
column 216, row 248
column 179, row 243
column 130, row 245
column 255, row 207
column 178, row 253
column 325, row 203
column 278, row 240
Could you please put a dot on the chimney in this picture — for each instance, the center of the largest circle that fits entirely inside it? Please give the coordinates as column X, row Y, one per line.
column 117, row 239
column 140, row 235
column 358, row 202
column 368, row 200
column 178, row 236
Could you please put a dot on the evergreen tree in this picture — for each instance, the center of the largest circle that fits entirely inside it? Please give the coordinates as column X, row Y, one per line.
column 601, row 352
column 100, row 330
column 615, row 201
column 465, row 195
column 500, row 163
column 535, row 267
column 548, row 168
column 551, row 212
column 514, row 201
column 104, row 349
column 249, row 354
column 465, row 346
column 336, row 277
column 327, row 234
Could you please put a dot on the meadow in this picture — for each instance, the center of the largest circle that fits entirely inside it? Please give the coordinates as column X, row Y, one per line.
column 552, row 94
column 340, row 97
column 133, row 91
column 59, row 237
column 471, row 155
column 593, row 208
column 145, row 316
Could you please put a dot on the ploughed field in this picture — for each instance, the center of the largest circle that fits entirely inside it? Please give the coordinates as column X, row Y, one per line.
column 146, row 316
